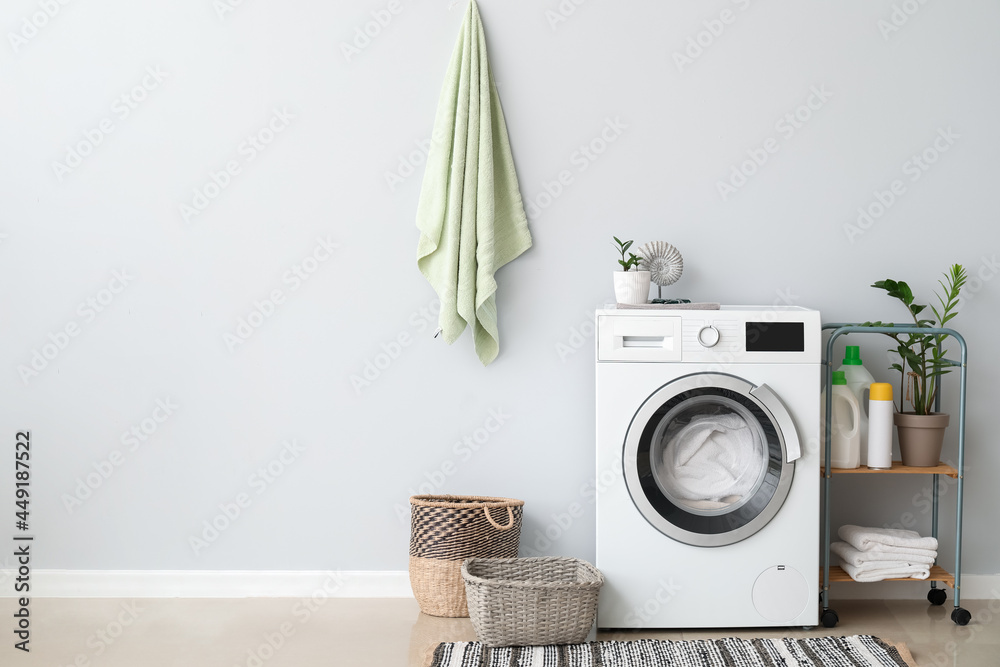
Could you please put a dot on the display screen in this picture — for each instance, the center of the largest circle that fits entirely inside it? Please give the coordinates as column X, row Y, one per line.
column 776, row 337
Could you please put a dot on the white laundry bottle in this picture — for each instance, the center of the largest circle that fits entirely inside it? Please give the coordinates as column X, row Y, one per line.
column 880, row 427
column 858, row 381
column 845, row 435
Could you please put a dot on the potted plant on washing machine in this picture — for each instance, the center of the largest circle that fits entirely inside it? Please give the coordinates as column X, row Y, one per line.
column 921, row 431
column 631, row 287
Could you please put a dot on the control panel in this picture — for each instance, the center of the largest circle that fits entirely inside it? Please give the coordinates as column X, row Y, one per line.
column 725, row 336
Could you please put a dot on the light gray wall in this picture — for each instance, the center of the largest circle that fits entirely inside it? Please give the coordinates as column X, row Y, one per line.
column 781, row 236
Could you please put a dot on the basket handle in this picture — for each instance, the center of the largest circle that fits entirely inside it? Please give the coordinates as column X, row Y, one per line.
column 510, row 518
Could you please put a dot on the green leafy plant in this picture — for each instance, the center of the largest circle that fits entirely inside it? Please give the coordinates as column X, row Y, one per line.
column 922, row 353
column 622, row 247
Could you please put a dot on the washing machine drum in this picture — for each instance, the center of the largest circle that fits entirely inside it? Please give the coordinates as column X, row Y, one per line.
column 709, row 458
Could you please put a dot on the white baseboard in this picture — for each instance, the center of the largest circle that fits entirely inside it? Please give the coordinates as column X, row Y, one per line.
column 352, row 584
column 211, row 584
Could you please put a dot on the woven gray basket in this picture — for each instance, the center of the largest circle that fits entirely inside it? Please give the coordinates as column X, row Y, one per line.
column 531, row 601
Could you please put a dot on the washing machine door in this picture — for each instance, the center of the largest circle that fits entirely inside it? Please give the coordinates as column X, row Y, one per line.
column 709, row 458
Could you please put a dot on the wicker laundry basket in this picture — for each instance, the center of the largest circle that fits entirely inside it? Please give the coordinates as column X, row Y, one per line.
column 444, row 531
column 532, row 601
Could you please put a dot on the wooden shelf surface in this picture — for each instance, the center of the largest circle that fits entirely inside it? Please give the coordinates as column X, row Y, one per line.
column 938, row 573
column 898, row 468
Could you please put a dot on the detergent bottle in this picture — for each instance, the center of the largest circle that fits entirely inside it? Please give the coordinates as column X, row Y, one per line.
column 858, row 381
column 845, row 437
column 880, row 410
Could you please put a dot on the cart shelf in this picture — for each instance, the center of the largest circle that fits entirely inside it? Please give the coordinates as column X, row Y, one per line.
column 898, row 468
column 938, row 573
column 830, row 572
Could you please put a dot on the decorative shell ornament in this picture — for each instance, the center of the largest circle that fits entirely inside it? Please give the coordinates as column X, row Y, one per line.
column 663, row 261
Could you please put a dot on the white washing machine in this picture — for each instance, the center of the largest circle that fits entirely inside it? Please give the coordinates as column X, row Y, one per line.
column 708, row 467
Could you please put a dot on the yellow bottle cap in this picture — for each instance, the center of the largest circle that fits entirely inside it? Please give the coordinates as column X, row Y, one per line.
column 881, row 391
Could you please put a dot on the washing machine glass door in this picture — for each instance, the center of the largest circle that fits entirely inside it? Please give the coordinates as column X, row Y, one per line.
column 706, row 458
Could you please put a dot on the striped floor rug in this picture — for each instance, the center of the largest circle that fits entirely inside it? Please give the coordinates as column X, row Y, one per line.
column 854, row 651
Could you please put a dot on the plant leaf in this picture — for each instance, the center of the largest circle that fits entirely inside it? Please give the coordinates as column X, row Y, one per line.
column 905, row 293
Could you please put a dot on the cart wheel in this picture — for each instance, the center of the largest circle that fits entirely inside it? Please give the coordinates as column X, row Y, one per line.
column 936, row 596
column 830, row 619
column 961, row 616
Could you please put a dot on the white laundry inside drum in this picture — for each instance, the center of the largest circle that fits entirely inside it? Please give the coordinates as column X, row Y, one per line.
column 709, row 455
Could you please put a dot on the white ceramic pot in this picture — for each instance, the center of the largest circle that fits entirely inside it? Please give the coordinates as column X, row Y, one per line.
column 631, row 287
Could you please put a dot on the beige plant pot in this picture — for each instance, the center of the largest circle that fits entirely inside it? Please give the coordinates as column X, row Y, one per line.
column 921, row 437
column 631, row 287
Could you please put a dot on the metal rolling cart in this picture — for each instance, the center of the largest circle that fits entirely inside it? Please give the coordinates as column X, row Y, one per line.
column 938, row 574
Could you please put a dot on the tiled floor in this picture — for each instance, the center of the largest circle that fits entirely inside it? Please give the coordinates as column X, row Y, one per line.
column 392, row 633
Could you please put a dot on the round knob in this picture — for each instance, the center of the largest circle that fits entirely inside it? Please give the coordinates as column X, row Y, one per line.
column 708, row 336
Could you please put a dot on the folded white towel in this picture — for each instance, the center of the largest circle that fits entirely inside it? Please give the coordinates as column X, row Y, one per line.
column 880, row 574
column 879, row 566
column 885, row 539
column 900, row 552
column 859, row 558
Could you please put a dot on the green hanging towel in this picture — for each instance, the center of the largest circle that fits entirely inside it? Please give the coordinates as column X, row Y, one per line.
column 470, row 216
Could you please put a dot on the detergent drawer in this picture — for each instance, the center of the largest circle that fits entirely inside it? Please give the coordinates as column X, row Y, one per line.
column 639, row 338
